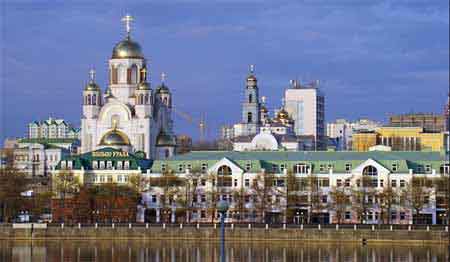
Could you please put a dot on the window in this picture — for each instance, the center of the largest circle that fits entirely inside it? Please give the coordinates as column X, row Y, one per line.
column 330, row 166
column 324, row 199
column 402, row 183
column 338, row 182
column 322, row 168
column 282, row 167
column 374, row 182
column 119, row 164
column 108, row 165
column 203, row 198
column 194, row 198
column 163, row 167
column 402, row 215
column 300, row 169
column 102, row 179
column 203, row 182
column 274, row 168
column 348, row 167
column 370, row 171
column 426, row 200
column 180, row 167
column 248, row 166
column 428, row 168
column 348, row 215
column 247, row 182
column 381, row 183
column 249, row 117
column 393, row 183
column 194, row 182
column 250, row 98
column 154, row 198
column 224, row 170
column 94, row 164
column 119, row 178
column 280, row 182
column 347, row 182
column 394, row 167
column 393, row 215
column 445, row 169
column 204, row 167
column 247, row 199
column 419, row 168
column 235, row 182
column 324, row 182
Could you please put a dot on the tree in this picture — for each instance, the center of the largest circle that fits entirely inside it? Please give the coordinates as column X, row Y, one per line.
column 263, row 188
column 65, row 183
column 340, row 202
column 191, row 185
column 169, row 184
column 291, row 194
column 417, row 193
column 360, row 194
column 387, row 199
column 314, row 195
column 41, row 203
column 442, row 187
column 12, row 184
column 213, row 194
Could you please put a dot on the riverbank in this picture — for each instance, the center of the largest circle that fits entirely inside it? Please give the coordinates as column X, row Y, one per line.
column 310, row 233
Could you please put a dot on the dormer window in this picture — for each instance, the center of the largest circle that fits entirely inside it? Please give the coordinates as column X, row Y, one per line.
column 95, row 164
column 119, row 165
column 126, row 165
column 394, row 167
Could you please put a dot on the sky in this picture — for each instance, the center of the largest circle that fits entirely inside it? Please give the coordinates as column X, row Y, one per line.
column 373, row 58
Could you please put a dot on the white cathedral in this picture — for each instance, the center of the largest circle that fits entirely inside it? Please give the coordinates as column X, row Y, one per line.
column 129, row 115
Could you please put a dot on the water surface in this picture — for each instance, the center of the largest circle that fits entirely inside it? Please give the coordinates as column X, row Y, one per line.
column 191, row 251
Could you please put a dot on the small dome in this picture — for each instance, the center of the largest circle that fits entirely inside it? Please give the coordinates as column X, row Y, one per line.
column 143, row 86
column 91, row 86
column 164, row 139
column 163, row 89
column 127, row 49
column 282, row 114
column 264, row 109
column 251, row 77
column 114, row 138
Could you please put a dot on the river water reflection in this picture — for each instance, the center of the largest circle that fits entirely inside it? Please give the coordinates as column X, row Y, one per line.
column 189, row 251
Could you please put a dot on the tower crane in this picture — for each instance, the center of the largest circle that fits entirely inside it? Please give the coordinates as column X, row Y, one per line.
column 200, row 123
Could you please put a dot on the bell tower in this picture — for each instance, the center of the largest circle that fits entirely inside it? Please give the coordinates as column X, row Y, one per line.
column 91, row 97
column 250, row 106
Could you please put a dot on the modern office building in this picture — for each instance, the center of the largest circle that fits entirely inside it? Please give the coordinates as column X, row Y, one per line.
column 305, row 104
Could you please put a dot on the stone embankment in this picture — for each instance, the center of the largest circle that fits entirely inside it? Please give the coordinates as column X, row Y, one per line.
column 405, row 234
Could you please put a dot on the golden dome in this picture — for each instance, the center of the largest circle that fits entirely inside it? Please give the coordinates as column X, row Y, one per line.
column 282, row 114
column 143, row 86
column 264, row 109
column 114, row 138
column 127, row 49
column 92, row 86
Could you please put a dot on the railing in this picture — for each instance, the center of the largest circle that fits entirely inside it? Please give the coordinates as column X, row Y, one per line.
column 373, row 227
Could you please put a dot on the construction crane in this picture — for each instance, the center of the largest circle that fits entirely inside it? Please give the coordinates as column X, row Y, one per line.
column 201, row 124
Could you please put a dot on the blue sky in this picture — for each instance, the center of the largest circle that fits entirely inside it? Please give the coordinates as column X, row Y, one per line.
column 373, row 58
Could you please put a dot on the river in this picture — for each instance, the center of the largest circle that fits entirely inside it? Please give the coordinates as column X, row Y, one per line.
column 192, row 251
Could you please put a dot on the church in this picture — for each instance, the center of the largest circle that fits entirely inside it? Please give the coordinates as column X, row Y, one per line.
column 129, row 115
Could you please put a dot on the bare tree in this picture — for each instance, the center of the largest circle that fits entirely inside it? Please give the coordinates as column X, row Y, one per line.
column 417, row 193
column 340, row 202
column 12, row 184
column 263, row 188
column 65, row 183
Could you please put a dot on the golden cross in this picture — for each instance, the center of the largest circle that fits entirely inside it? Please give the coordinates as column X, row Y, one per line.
column 163, row 77
column 92, row 74
column 127, row 20
column 144, row 73
column 252, row 68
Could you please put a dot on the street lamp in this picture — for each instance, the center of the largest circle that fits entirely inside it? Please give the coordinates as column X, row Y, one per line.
column 222, row 207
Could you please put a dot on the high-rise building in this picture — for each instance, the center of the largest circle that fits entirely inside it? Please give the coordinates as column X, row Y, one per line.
column 306, row 106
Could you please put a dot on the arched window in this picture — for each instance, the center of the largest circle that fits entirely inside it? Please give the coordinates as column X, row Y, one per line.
column 301, row 168
column 141, row 99
column 250, row 98
column 146, row 99
column 122, row 74
column 370, row 171
column 134, row 74
column 224, row 171
column 249, row 117
column 88, row 99
column 165, row 100
column 94, row 99
column 114, row 75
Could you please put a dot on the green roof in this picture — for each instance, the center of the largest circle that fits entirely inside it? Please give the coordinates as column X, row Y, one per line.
column 49, row 140
column 317, row 159
column 107, row 154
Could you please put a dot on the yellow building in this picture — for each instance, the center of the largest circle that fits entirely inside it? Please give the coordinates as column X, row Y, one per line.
column 400, row 139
